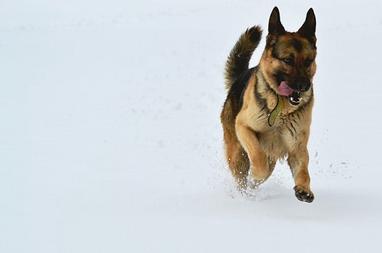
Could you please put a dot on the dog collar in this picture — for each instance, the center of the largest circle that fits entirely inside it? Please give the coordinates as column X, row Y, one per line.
column 272, row 116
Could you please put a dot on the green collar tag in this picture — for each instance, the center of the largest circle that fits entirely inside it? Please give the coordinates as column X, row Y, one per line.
column 275, row 112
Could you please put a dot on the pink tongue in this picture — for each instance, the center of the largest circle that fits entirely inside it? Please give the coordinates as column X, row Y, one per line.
column 284, row 89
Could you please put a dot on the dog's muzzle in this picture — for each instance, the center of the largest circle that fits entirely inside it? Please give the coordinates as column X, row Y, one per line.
column 295, row 98
column 293, row 92
column 300, row 87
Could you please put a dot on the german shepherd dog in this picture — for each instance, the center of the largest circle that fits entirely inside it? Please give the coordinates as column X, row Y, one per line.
column 267, row 112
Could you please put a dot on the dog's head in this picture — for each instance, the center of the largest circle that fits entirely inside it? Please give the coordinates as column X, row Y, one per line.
column 288, row 61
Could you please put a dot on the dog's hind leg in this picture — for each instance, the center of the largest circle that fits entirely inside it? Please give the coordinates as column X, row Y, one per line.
column 237, row 158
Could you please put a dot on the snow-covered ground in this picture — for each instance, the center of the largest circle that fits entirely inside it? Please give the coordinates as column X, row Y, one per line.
column 110, row 139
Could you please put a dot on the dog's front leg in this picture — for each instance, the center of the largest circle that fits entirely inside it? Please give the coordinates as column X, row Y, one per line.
column 259, row 162
column 298, row 162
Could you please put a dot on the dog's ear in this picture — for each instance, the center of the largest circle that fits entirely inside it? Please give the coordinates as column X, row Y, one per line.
column 274, row 26
column 308, row 29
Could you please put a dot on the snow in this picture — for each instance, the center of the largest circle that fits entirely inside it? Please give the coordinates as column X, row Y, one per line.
column 111, row 141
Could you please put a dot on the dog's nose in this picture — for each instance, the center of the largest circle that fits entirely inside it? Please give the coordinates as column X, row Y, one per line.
column 303, row 86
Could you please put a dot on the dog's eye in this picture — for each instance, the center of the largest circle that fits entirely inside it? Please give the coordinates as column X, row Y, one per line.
column 307, row 62
column 288, row 61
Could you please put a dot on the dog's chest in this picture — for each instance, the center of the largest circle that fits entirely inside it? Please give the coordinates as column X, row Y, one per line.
column 279, row 139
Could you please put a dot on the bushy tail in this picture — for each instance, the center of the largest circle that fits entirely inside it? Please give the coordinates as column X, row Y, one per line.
column 240, row 55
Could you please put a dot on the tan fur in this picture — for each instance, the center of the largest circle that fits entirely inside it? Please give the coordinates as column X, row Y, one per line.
column 236, row 157
column 263, row 144
column 250, row 142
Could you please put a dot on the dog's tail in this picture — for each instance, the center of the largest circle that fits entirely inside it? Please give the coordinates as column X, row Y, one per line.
column 240, row 55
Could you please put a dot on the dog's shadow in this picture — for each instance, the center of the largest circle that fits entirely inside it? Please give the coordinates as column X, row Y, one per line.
column 278, row 201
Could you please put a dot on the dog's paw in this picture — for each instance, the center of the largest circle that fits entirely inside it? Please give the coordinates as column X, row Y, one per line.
column 303, row 194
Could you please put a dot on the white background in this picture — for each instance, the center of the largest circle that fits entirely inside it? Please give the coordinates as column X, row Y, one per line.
column 110, row 139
